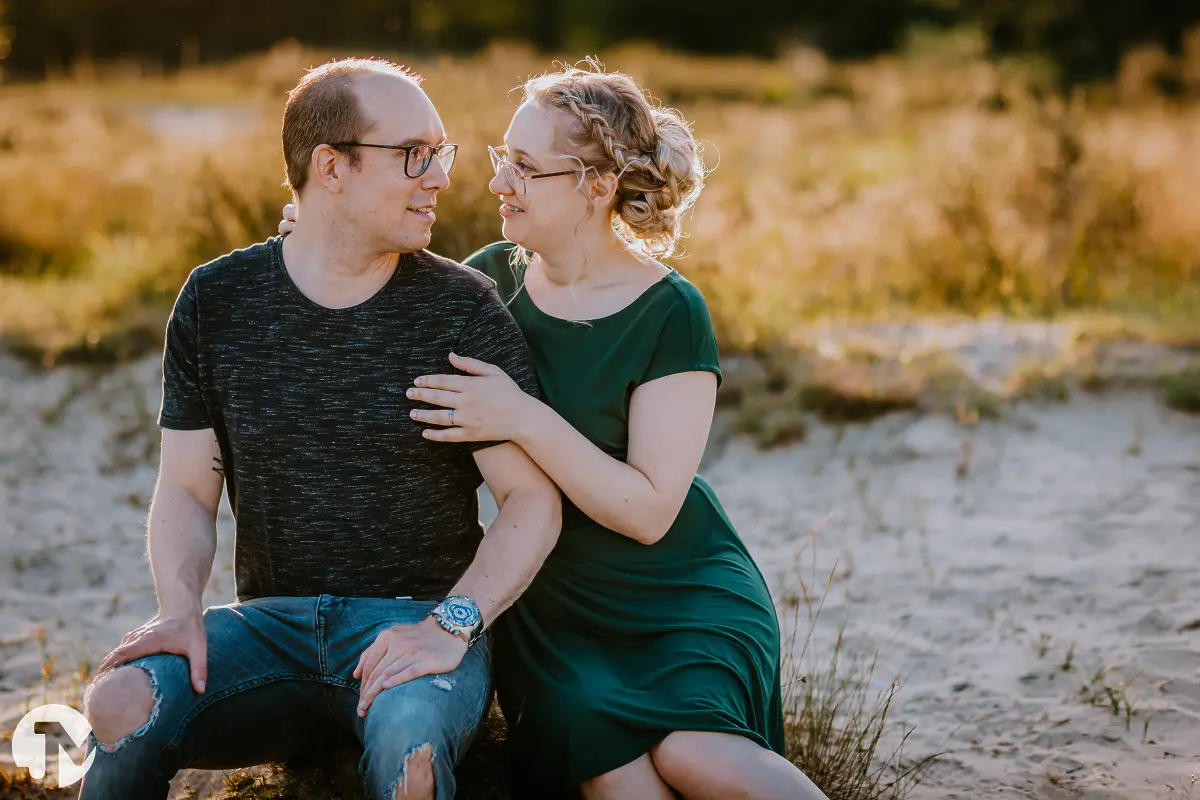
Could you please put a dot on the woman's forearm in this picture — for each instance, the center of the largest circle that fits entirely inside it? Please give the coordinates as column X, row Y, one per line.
column 611, row 492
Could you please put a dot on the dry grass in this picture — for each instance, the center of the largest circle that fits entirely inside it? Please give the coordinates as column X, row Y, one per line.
column 775, row 401
column 893, row 187
column 840, row 731
column 1182, row 391
column 17, row 785
column 837, row 727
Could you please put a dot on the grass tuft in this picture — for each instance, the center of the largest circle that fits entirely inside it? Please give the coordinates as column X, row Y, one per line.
column 17, row 785
column 1182, row 392
column 774, row 401
column 837, row 724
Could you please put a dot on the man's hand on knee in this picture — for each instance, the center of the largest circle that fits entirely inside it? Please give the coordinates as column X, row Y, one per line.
column 182, row 634
column 404, row 652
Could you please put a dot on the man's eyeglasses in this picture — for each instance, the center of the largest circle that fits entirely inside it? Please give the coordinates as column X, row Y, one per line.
column 417, row 157
column 514, row 174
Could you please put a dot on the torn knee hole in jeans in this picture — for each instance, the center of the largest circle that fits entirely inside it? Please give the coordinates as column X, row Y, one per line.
column 145, row 726
column 443, row 683
column 401, row 784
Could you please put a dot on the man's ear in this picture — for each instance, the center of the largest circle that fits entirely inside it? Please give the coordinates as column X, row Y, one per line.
column 328, row 167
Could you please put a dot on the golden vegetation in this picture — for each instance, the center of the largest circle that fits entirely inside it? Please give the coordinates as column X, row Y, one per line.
column 939, row 183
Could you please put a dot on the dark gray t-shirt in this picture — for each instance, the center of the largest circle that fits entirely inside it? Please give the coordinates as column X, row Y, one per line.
column 333, row 487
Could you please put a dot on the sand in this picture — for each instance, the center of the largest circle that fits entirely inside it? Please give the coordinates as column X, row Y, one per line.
column 972, row 558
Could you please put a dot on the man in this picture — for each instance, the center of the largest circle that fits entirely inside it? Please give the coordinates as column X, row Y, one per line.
column 363, row 582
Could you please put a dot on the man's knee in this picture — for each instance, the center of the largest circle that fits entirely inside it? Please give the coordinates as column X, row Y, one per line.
column 416, row 781
column 119, row 703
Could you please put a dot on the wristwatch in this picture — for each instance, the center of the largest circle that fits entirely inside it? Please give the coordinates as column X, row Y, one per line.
column 459, row 615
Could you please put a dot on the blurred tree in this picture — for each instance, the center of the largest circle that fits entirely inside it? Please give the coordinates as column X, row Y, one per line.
column 5, row 38
column 1084, row 37
column 841, row 28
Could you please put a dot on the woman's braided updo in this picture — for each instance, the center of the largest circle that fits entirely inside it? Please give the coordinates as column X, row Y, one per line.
column 651, row 150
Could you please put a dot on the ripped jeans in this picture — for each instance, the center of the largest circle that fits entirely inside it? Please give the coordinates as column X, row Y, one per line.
column 280, row 681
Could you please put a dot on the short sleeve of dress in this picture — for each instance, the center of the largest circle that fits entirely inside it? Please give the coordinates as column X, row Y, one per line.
column 494, row 260
column 687, row 342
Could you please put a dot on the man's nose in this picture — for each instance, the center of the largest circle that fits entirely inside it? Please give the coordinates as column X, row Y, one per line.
column 436, row 176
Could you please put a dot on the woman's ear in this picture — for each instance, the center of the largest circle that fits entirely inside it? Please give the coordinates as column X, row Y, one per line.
column 603, row 188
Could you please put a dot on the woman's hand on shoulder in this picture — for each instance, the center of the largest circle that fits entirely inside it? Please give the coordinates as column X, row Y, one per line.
column 288, row 223
column 484, row 405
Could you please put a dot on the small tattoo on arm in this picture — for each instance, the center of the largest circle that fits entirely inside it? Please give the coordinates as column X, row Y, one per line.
column 220, row 466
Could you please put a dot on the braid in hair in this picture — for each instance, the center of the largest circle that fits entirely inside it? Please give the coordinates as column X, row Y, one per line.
column 594, row 121
column 651, row 150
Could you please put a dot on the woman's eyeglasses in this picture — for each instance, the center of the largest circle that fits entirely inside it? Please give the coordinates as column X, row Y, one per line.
column 514, row 174
column 417, row 157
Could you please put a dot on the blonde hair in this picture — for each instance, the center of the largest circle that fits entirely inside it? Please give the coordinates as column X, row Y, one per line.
column 651, row 149
column 323, row 108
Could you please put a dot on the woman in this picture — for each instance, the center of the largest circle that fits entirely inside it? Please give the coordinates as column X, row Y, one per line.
column 644, row 660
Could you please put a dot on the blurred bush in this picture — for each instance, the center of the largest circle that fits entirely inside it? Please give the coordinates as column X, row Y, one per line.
column 938, row 182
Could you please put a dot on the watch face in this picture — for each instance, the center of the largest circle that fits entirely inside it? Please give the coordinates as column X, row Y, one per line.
column 460, row 613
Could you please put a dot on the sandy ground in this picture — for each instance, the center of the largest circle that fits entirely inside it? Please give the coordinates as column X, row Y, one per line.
column 977, row 560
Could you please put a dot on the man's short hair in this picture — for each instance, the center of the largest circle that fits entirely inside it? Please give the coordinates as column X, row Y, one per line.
column 323, row 109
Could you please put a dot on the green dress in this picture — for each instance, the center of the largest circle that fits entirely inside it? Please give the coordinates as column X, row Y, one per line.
column 617, row 644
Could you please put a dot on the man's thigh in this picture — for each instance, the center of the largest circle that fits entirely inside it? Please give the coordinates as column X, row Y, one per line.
column 263, row 696
column 440, row 713
column 443, row 710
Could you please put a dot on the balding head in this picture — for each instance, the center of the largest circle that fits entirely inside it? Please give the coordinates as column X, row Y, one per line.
column 326, row 107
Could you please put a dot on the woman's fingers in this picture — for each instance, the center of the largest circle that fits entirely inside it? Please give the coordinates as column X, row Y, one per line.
column 288, row 223
column 473, row 366
column 432, row 416
column 437, row 397
column 450, row 383
column 454, row 434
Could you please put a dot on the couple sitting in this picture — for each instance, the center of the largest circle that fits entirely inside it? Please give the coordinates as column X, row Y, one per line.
column 349, row 390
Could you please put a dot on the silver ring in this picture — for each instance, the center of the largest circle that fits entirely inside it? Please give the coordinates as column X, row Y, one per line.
column 452, row 416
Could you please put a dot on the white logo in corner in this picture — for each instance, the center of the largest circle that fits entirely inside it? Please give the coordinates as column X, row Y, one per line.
column 29, row 747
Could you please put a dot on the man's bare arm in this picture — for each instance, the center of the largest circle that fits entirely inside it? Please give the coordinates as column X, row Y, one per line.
column 182, row 536
column 521, row 536
column 512, row 551
column 182, row 542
